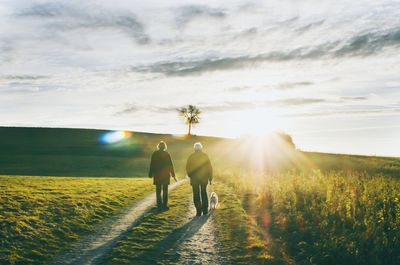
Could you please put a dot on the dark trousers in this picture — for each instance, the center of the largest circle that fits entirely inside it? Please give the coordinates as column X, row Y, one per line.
column 164, row 188
column 200, row 190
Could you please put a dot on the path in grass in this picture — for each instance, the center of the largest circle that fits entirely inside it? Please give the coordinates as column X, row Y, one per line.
column 176, row 236
column 90, row 249
column 195, row 243
column 192, row 243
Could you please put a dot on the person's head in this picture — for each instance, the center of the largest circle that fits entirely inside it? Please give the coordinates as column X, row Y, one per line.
column 198, row 147
column 162, row 146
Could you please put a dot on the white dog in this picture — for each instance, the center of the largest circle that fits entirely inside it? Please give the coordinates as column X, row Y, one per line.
column 213, row 200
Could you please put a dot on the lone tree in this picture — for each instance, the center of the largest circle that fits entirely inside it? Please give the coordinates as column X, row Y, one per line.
column 191, row 114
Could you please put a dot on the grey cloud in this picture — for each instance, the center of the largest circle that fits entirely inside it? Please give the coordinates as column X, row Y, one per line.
column 292, row 102
column 47, row 10
column 6, row 49
column 132, row 108
column 237, row 88
column 291, row 85
column 309, row 26
column 360, row 45
column 196, row 67
column 24, row 86
column 229, row 106
column 369, row 43
column 298, row 101
column 128, row 110
column 188, row 13
column 57, row 16
column 24, row 77
column 354, row 98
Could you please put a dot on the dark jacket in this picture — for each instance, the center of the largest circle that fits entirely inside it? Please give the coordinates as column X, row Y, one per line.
column 161, row 167
column 199, row 169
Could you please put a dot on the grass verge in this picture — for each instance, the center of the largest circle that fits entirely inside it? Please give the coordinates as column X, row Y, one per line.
column 41, row 216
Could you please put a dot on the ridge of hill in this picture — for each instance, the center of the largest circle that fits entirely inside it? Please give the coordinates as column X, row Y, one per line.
column 92, row 152
column 83, row 152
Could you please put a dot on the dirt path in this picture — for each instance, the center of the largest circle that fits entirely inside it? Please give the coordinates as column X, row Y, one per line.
column 90, row 249
column 192, row 243
column 197, row 244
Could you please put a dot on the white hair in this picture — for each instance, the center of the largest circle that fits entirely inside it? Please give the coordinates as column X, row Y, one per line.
column 162, row 146
column 198, row 146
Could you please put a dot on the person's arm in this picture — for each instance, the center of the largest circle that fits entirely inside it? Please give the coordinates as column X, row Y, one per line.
column 210, row 170
column 189, row 167
column 151, row 169
column 172, row 170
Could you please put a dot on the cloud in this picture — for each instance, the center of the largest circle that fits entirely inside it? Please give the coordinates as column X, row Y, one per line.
column 369, row 43
column 224, row 106
column 243, row 105
column 188, row 13
column 228, row 106
column 237, row 88
column 291, row 85
column 346, row 112
column 355, row 98
column 298, row 101
column 24, row 86
column 133, row 108
column 24, row 77
column 128, row 110
column 61, row 17
column 309, row 26
column 366, row 44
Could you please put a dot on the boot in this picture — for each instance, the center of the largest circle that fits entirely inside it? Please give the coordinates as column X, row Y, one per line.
column 198, row 212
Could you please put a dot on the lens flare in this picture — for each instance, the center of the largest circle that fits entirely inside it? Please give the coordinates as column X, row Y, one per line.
column 113, row 137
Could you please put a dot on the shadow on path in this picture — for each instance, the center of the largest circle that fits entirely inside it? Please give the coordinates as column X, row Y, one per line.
column 166, row 249
column 91, row 248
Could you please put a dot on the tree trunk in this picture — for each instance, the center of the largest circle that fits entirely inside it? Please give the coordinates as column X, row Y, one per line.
column 190, row 128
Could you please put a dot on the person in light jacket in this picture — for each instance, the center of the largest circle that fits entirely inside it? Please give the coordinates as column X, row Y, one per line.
column 200, row 172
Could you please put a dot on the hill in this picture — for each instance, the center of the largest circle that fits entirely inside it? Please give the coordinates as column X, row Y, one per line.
column 86, row 152
column 89, row 152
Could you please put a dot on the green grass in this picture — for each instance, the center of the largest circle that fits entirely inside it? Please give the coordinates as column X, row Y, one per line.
column 40, row 216
column 142, row 245
column 236, row 230
column 325, row 218
column 315, row 209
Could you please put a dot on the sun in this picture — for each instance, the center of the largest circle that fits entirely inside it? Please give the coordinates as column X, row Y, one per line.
column 259, row 122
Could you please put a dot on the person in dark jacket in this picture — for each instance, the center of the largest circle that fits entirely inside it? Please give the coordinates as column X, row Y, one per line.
column 161, row 169
column 200, row 172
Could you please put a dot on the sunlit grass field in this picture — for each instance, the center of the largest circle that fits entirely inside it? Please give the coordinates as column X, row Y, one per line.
column 281, row 207
column 40, row 216
column 324, row 218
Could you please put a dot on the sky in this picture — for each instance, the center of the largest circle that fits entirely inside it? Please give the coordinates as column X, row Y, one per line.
column 326, row 72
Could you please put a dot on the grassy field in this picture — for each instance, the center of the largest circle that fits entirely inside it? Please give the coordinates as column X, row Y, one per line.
column 325, row 218
column 40, row 216
column 277, row 207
